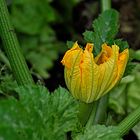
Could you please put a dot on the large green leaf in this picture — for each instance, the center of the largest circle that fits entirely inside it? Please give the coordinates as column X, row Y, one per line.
column 38, row 115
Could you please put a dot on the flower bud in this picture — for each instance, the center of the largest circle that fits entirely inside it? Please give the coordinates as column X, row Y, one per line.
column 89, row 78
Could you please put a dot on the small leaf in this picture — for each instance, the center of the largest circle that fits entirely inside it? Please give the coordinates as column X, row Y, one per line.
column 105, row 29
column 122, row 44
column 88, row 36
column 70, row 44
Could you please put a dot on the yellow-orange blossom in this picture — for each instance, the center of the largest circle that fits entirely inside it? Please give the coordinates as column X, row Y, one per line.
column 89, row 78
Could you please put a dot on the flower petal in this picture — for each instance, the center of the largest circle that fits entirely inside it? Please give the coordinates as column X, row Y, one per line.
column 121, row 65
column 108, row 71
column 71, row 60
column 87, row 72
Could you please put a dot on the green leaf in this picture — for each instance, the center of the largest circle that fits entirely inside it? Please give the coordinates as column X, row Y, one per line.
column 100, row 132
column 70, row 44
column 137, row 55
column 32, row 15
column 133, row 90
column 125, row 97
column 122, row 44
column 105, row 29
column 129, row 68
column 26, row 19
column 118, row 99
column 89, row 36
column 42, row 52
column 38, row 115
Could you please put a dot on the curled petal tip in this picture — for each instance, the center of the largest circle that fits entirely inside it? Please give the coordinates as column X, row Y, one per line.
column 89, row 47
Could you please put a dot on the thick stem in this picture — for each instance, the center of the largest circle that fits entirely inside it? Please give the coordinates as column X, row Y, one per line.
column 12, row 48
column 84, row 112
column 129, row 122
column 101, row 114
column 105, row 5
column 91, row 119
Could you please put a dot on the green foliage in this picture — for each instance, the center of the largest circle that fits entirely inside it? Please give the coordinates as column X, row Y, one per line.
column 99, row 132
column 37, row 115
column 36, row 13
column 70, row 44
column 7, row 82
column 137, row 55
column 125, row 97
column 41, row 57
column 33, row 21
column 122, row 44
column 105, row 29
column 133, row 91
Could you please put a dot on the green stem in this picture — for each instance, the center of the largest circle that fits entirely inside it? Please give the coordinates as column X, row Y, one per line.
column 12, row 48
column 105, row 5
column 101, row 113
column 129, row 122
column 91, row 119
column 84, row 112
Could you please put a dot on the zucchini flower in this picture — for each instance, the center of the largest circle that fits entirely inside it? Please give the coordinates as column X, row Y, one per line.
column 89, row 78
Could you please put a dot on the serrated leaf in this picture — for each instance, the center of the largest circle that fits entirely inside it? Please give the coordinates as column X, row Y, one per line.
column 88, row 36
column 105, row 29
column 38, row 115
column 129, row 68
column 99, row 132
column 122, row 44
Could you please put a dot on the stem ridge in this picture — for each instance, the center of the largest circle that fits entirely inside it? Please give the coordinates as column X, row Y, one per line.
column 12, row 48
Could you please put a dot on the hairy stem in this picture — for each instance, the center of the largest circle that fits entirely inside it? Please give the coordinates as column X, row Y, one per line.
column 129, row 122
column 12, row 48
